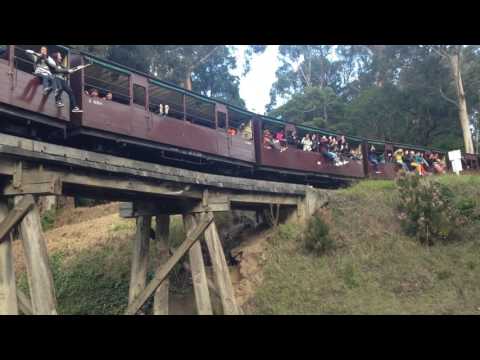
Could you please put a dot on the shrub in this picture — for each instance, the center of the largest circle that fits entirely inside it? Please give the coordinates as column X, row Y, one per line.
column 427, row 210
column 317, row 237
column 469, row 208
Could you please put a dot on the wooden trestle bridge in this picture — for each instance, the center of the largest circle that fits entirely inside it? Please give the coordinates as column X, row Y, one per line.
column 31, row 168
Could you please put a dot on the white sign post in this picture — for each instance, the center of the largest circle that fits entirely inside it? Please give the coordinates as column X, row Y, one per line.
column 455, row 158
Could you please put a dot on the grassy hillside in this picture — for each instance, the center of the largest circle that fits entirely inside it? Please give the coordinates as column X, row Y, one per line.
column 374, row 269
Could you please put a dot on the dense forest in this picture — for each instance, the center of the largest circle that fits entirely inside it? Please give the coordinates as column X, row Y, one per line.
column 420, row 94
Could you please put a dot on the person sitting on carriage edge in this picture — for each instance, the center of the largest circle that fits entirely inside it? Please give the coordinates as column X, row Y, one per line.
column 43, row 63
column 60, row 75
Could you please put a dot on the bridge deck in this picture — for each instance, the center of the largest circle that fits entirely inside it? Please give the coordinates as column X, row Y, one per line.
column 42, row 168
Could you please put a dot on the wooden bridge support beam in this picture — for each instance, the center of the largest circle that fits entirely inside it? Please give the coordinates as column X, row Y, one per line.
column 197, row 266
column 162, row 232
column 139, row 267
column 221, row 271
column 8, row 290
column 40, row 279
column 162, row 273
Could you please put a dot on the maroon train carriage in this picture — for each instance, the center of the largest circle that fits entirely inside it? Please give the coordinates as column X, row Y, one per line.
column 151, row 114
column 298, row 161
column 471, row 162
column 20, row 89
column 137, row 114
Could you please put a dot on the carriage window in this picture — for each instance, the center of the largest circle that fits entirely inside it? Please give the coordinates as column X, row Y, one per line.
column 164, row 101
column 221, row 120
column 139, row 93
column 100, row 80
column 238, row 121
column 3, row 52
column 200, row 112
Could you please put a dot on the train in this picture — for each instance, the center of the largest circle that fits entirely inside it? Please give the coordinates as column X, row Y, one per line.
column 150, row 119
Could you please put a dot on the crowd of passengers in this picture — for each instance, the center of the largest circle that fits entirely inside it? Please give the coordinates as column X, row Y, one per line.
column 95, row 94
column 422, row 163
column 334, row 148
column 337, row 150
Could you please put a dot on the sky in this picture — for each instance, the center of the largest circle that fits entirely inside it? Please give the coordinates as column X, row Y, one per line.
column 255, row 86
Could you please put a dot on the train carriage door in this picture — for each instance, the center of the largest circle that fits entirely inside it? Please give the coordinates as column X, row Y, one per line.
column 141, row 120
column 221, row 123
column 6, row 73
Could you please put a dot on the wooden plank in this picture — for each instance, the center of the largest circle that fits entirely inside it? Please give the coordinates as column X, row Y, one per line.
column 24, row 303
column 132, row 185
column 40, row 280
column 138, row 276
column 33, row 149
column 199, row 275
column 163, row 271
column 263, row 199
column 200, row 208
column 16, row 215
column 53, row 187
column 162, row 232
column 8, row 288
column 221, row 272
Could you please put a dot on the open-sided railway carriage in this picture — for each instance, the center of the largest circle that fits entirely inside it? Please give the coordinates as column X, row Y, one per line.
column 193, row 132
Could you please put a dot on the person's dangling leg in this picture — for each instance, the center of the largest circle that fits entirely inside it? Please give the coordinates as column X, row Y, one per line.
column 58, row 92
column 73, row 102
column 46, row 83
column 68, row 90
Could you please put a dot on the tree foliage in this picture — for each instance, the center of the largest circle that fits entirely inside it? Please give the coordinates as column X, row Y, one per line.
column 403, row 93
column 202, row 68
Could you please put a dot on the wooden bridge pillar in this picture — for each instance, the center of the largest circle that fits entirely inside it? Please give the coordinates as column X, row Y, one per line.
column 162, row 232
column 40, row 279
column 8, row 289
column 221, row 271
column 139, row 267
column 197, row 266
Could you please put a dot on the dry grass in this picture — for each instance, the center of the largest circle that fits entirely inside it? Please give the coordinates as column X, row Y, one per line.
column 375, row 268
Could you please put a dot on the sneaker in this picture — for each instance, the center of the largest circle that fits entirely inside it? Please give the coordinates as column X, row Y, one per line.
column 76, row 109
column 60, row 104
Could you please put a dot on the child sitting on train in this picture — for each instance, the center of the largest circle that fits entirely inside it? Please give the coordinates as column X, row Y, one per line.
column 373, row 159
column 60, row 74
column 329, row 155
column 108, row 97
column 232, row 131
column 398, row 155
column 280, row 137
column 43, row 64
column 315, row 143
column 246, row 130
column 267, row 139
column 307, row 143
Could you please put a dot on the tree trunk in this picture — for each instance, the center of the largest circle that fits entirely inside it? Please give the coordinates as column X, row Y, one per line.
column 462, row 103
column 188, row 80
